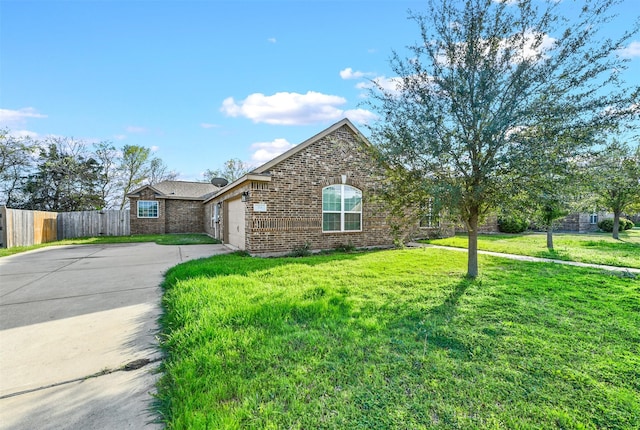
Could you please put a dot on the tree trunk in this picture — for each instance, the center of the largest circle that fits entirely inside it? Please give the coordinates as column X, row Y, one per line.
column 550, row 238
column 472, row 227
column 616, row 225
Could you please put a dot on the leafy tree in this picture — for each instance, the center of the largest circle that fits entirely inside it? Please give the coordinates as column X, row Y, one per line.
column 550, row 175
column 65, row 178
column 134, row 169
column 483, row 73
column 232, row 170
column 616, row 173
column 16, row 162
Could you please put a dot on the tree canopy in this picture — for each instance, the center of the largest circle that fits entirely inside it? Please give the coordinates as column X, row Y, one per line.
column 65, row 174
column 616, row 179
column 483, row 73
column 232, row 169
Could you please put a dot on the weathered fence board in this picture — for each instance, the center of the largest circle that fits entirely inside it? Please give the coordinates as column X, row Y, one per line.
column 24, row 227
column 93, row 224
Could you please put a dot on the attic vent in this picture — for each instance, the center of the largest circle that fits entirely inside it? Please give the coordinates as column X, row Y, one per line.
column 259, row 186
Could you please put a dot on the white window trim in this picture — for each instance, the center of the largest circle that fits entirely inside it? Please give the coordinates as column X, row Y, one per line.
column 342, row 212
column 147, row 201
column 429, row 215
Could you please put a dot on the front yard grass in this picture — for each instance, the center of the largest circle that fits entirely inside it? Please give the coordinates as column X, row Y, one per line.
column 160, row 239
column 398, row 340
column 597, row 248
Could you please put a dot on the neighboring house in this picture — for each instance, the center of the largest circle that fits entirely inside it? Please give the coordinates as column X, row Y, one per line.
column 169, row 207
column 318, row 195
column 582, row 222
column 579, row 222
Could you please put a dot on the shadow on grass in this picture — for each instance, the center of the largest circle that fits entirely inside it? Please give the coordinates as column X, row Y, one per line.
column 553, row 254
column 435, row 328
column 241, row 264
column 438, row 321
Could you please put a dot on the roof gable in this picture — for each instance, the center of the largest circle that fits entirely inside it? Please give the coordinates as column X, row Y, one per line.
column 300, row 147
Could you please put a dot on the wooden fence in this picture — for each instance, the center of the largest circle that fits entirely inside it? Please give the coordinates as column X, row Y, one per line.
column 93, row 224
column 24, row 227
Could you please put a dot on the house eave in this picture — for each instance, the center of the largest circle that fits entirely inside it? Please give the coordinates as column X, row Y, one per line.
column 250, row 177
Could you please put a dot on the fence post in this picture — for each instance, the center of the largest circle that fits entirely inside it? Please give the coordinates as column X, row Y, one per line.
column 3, row 227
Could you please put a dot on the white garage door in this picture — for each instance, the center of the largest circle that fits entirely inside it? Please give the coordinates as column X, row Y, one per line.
column 235, row 223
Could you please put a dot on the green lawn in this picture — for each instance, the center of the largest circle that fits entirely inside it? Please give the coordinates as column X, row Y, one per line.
column 398, row 340
column 161, row 239
column 598, row 248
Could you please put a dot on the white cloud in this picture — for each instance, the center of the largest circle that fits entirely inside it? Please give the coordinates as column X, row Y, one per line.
column 535, row 44
column 360, row 116
column 207, row 125
column 135, row 129
column 120, row 136
column 388, row 84
column 23, row 133
column 631, row 51
column 349, row 73
column 286, row 108
column 522, row 47
column 155, row 148
column 272, row 40
column 12, row 118
column 266, row 151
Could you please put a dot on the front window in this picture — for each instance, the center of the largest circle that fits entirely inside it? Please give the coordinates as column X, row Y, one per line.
column 147, row 209
column 341, row 208
column 593, row 218
column 429, row 218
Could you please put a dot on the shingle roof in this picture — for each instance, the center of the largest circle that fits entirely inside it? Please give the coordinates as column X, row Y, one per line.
column 185, row 189
column 182, row 189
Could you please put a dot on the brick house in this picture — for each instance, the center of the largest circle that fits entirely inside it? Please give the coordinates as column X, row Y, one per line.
column 169, row 207
column 319, row 194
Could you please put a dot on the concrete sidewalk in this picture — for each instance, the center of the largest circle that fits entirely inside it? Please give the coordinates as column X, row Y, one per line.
column 528, row 258
column 72, row 319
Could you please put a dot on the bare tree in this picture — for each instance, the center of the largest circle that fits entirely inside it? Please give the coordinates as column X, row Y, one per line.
column 158, row 172
column 16, row 163
column 231, row 170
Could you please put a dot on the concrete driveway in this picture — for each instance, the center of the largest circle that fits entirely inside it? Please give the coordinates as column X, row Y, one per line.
column 78, row 334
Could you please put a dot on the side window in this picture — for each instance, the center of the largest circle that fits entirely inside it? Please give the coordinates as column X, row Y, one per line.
column 429, row 218
column 341, row 208
column 147, row 209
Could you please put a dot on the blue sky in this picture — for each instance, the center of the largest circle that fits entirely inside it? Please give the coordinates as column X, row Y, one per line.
column 201, row 82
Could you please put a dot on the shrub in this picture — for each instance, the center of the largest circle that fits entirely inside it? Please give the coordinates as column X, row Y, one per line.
column 349, row 247
column 512, row 224
column 301, row 250
column 607, row 224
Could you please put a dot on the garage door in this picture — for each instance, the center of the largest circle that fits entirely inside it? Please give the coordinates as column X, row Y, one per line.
column 235, row 223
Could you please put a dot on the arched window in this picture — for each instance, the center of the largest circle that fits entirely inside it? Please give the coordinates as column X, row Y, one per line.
column 341, row 208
